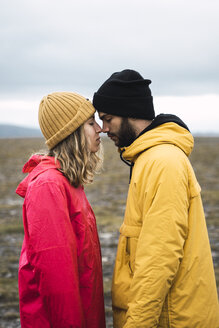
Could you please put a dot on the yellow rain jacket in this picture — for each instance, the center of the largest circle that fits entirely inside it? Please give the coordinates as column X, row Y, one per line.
column 164, row 275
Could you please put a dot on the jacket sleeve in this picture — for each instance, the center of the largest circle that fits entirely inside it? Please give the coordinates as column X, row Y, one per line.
column 164, row 205
column 52, row 253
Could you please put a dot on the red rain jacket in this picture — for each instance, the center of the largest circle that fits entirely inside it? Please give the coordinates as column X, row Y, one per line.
column 60, row 270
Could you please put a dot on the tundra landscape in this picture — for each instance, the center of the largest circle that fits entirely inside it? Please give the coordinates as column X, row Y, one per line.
column 107, row 196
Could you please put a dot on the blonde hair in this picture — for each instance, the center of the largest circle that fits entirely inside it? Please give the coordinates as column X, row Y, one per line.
column 77, row 163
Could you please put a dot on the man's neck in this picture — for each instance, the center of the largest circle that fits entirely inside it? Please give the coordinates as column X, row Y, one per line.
column 139, row 125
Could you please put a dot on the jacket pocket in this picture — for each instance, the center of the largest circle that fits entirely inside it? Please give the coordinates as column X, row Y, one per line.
column 131, row 233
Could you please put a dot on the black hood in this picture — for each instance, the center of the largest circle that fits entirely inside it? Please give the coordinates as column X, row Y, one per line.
column 164, row 118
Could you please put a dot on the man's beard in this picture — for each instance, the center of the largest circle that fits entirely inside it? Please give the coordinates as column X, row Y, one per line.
column 126, row 134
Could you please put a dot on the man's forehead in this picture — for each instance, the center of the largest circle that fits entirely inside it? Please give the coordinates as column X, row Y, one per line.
column 103, row 115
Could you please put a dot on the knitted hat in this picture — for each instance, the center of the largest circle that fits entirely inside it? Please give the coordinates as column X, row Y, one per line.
column 125, row 94
column 61, row 113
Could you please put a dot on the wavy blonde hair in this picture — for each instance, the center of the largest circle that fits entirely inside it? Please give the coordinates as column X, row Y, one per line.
column 78, row 164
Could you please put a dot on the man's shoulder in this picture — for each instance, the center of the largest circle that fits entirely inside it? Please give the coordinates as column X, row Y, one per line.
column 160, row 160
column 165, row 151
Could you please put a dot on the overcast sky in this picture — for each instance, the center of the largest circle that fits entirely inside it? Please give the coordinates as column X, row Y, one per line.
column 50, row 45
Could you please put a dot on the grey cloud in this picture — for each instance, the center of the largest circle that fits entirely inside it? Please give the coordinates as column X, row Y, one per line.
column 53, row 43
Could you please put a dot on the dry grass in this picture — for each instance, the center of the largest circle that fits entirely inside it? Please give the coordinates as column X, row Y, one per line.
column 107, row 196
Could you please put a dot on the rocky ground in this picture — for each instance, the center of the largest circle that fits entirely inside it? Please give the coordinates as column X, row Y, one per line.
column 107, row 196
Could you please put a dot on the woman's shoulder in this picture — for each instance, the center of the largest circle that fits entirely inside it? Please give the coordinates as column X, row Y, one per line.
column 48, row 179
column 55, row 177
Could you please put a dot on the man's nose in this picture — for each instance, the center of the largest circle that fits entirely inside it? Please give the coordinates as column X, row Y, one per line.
column 105, row 128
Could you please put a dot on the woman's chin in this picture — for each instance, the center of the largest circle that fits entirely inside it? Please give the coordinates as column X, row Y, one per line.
column 94, row 149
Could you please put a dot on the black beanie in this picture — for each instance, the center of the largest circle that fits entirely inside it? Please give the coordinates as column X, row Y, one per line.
column 125, row 94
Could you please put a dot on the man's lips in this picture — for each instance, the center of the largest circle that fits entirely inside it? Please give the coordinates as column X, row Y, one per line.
column 111, row 136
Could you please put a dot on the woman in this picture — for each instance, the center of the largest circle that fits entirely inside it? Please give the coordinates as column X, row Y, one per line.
column 60, row 272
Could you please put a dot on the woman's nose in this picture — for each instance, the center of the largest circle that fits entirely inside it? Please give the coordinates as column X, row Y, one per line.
column 98, row 128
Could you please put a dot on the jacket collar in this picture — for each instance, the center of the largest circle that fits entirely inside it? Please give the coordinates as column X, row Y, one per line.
column 164, row 118
column 36, row 165
column 165, row 129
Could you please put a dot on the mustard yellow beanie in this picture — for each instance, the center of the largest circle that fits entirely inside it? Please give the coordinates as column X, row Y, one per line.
column 61, row 113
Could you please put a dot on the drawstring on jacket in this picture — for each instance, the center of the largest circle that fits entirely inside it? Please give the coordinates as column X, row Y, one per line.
column 130, row 164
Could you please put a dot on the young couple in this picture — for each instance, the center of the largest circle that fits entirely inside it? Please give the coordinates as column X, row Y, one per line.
column 163, row 275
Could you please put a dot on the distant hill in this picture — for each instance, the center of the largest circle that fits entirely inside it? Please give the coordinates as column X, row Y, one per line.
column 13, row 131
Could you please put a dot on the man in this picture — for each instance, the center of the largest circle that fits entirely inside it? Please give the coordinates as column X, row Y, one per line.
column 163, row 275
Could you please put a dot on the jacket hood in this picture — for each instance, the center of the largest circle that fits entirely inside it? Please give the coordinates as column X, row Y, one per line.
column 36, row 165
column 165, row 129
